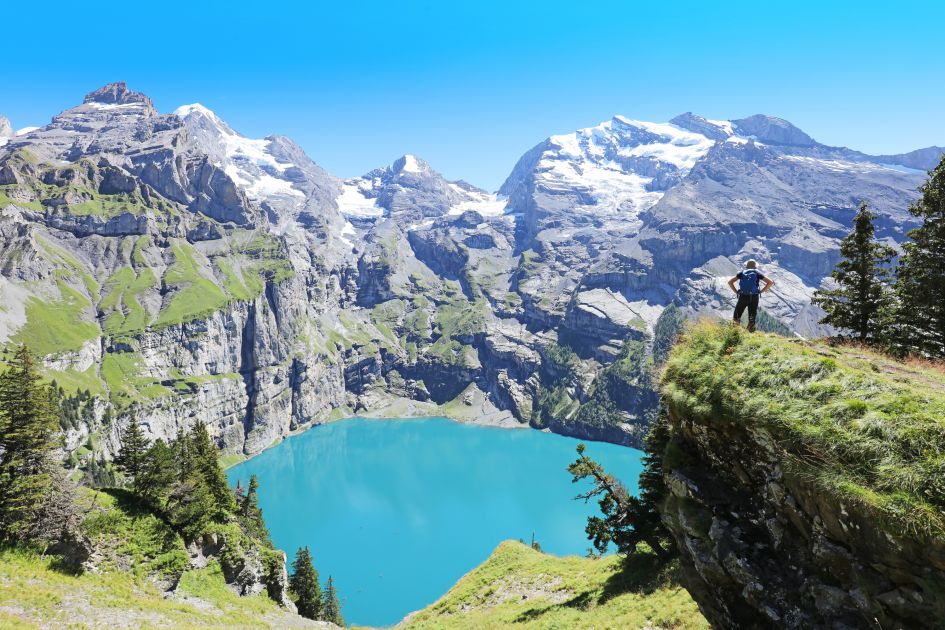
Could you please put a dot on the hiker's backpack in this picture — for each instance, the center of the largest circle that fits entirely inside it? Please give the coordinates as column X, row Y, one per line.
column 748, row 284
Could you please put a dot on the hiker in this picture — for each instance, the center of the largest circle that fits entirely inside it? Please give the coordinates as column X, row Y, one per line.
column 748, row 280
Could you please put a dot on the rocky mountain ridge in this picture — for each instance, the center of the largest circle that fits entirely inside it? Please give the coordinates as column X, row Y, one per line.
column 178, row 270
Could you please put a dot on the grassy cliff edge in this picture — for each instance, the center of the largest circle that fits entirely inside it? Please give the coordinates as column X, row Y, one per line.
column 520, row 587
column 805, row 481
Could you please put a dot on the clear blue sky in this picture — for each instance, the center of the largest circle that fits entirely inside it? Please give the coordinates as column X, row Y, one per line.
column 470, row 86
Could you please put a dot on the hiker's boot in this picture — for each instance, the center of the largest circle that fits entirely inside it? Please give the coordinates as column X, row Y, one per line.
column 751, row 325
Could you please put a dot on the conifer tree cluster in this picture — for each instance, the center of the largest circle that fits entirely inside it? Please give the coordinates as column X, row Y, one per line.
column 181, row 480
column 904, row 314
column 35, row 498
column 311, row 600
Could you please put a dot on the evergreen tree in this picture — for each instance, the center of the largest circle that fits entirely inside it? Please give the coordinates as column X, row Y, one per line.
column 29, row 430
column 251, row 514
column 331, row 607
column 158, row 475
column 920, row 277
column 205, row 461
column 862, row 298
column 190, row 507
column 183, row 450
column 303, row 584
column 627, row 520
column 131, row 456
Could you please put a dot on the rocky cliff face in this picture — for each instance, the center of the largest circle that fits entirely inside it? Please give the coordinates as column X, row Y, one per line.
column 784, row 504
column 179, row 270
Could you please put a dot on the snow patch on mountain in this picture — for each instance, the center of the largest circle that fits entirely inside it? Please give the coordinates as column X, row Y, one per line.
column 346, row 232
column 247, row 161
column 623, row 165
column 411, row 165
column 673, row 145
column 724, row 125
column 353, row 202
column 486, row 204
column 114, row 106
column 25, row 130
column 839, row 166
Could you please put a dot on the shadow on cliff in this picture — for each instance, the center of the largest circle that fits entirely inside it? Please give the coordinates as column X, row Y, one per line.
column 641, row 573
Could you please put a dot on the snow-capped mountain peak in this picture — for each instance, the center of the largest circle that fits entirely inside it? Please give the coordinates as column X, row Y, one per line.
column 619, row 167
column 197, row 113
column 409, row 163
column 249, row 162
column 411, row 188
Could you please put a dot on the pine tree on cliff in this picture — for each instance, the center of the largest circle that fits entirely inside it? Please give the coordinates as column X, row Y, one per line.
column 190, row 504
column 862, row 301
column 331, row 607
column 627, row 520
column 29, row 431
column 303, row 584
column 131, row 457
column 920, row 277
column 205, row 458
column 251, row 513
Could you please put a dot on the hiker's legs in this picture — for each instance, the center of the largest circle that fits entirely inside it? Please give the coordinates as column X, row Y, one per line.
column 752, row 311
column 740, row 308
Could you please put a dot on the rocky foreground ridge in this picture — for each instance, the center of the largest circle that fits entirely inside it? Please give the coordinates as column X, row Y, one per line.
column 177, row 270
column 804, row 483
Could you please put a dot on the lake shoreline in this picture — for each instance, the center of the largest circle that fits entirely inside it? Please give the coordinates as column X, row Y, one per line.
column 472, row 406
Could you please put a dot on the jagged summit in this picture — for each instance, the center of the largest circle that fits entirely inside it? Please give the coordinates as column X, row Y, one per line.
column 413, row 191
column 6, row 129
column 117, row 93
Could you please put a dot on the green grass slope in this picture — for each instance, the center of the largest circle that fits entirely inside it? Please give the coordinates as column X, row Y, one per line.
column 861, row 426
column 136, row 554
column 518, row 587
column 34, row 594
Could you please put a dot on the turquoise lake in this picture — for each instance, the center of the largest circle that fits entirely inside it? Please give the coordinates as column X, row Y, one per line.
column 397, row 510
